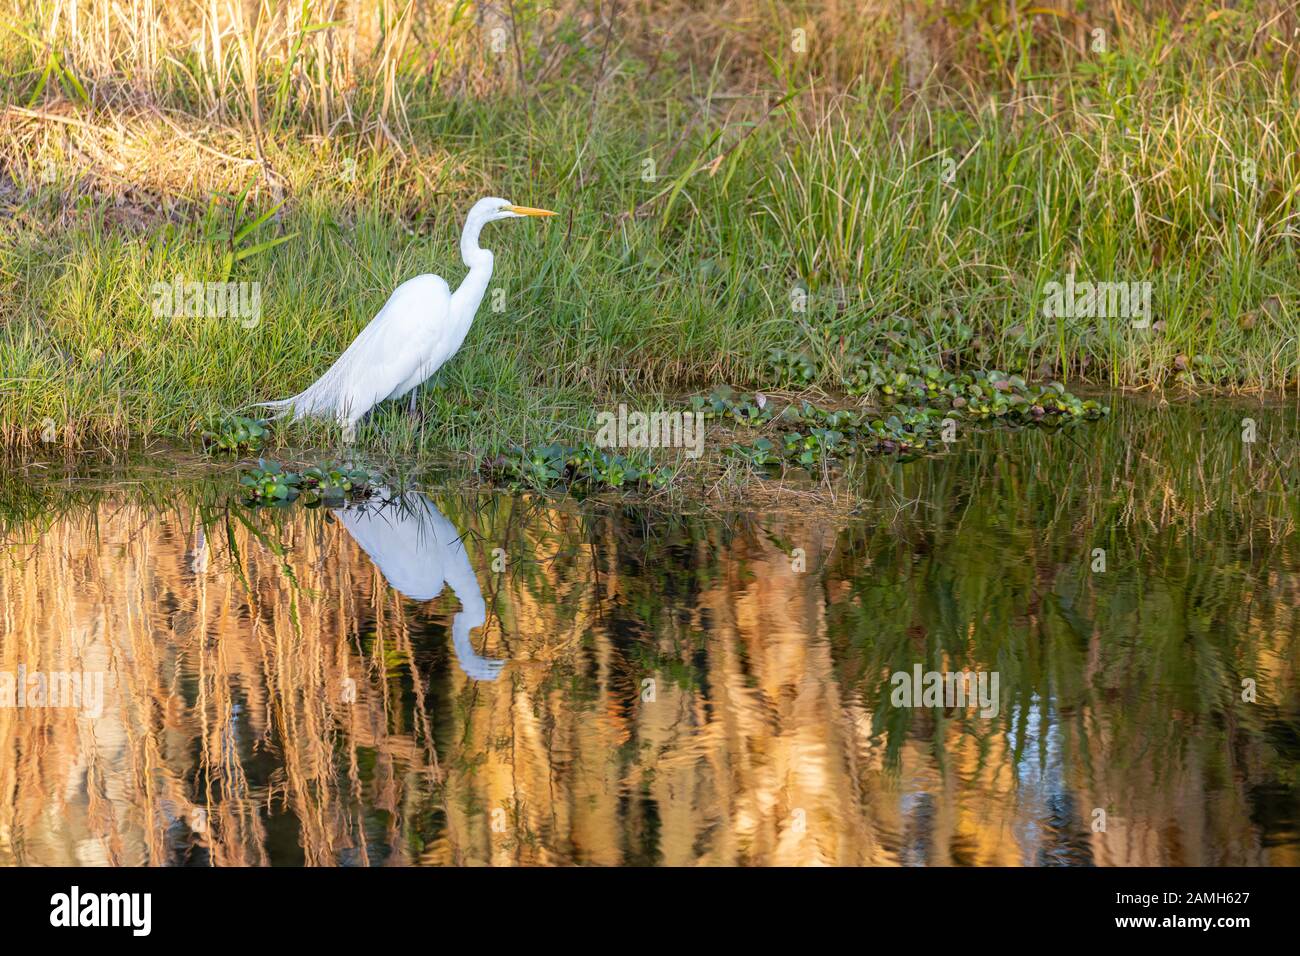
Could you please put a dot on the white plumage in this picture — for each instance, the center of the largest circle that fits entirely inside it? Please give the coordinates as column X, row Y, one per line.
column 419, row 328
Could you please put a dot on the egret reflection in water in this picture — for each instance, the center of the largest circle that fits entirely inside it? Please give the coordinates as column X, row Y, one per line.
column 681, row 692
column 419, row 551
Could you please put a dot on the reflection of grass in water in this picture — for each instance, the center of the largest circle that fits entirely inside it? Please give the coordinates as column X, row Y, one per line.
column 1140, row 665
column 986, row 564
column 281, row 668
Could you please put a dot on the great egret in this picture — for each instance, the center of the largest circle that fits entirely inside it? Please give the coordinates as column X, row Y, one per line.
column 418, row 329
column 418, row 551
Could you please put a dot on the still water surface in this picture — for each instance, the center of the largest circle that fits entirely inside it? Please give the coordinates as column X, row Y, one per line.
column 466, row 677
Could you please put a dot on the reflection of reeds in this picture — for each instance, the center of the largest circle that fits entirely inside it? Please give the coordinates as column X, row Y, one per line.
column 769, row 738
column 1139, row 668
column 213, row 676
column 218, row 675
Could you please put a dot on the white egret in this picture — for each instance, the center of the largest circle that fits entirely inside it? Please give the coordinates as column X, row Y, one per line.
column 415, row 333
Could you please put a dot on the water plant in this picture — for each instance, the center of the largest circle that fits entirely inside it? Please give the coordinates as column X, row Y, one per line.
column 815, row 435
column 581, row 467
column 725, row 402
column 791, row 368
column 760, row 454
column 977, row 394
column 330, row 484
column 235, row 434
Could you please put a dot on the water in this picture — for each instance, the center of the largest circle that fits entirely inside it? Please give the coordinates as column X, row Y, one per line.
column 466, row 677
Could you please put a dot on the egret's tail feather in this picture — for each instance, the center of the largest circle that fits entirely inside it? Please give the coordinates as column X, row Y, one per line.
column 321, row 399
column 279, row 408
column 295, row 407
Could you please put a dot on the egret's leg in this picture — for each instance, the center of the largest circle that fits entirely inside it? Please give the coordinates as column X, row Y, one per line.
column 414, row 394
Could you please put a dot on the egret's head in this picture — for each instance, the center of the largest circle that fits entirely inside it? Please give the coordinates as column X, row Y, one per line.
column 492, row 208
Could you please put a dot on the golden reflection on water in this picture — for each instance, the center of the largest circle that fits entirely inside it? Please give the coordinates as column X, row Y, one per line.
column 364, row 688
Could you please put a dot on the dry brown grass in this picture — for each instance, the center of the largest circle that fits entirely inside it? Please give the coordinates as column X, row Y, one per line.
column 328, row 65
column 145, row 164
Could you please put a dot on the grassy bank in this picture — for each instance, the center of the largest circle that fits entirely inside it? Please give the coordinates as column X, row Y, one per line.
column 914, row 186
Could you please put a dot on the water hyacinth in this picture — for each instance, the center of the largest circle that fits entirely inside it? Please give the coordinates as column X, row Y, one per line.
column 913, row 403
column 582, row 467
column 809, row 436
column 235, row 434
column 271, row 483
column 791, row 368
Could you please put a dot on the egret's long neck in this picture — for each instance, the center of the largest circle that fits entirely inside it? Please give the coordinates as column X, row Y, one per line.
column 466, row 299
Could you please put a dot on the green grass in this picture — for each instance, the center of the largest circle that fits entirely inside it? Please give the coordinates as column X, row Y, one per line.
column 1154, row 162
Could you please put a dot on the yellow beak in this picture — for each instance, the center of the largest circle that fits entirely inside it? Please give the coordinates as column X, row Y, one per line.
column 529, row 211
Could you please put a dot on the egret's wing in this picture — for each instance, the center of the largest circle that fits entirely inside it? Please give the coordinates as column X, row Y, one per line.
column 390, row 349
column 387, row 352
column 415, row 307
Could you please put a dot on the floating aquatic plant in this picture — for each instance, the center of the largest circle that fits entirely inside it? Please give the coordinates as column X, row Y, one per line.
column 235, row 433
column 977, row 395
column 791, row 368
column 897, row 426
column 582, row 467
column 823, row 436
column 723, row 402
column 913, row 404
column 760, row 454
column 271, row 483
